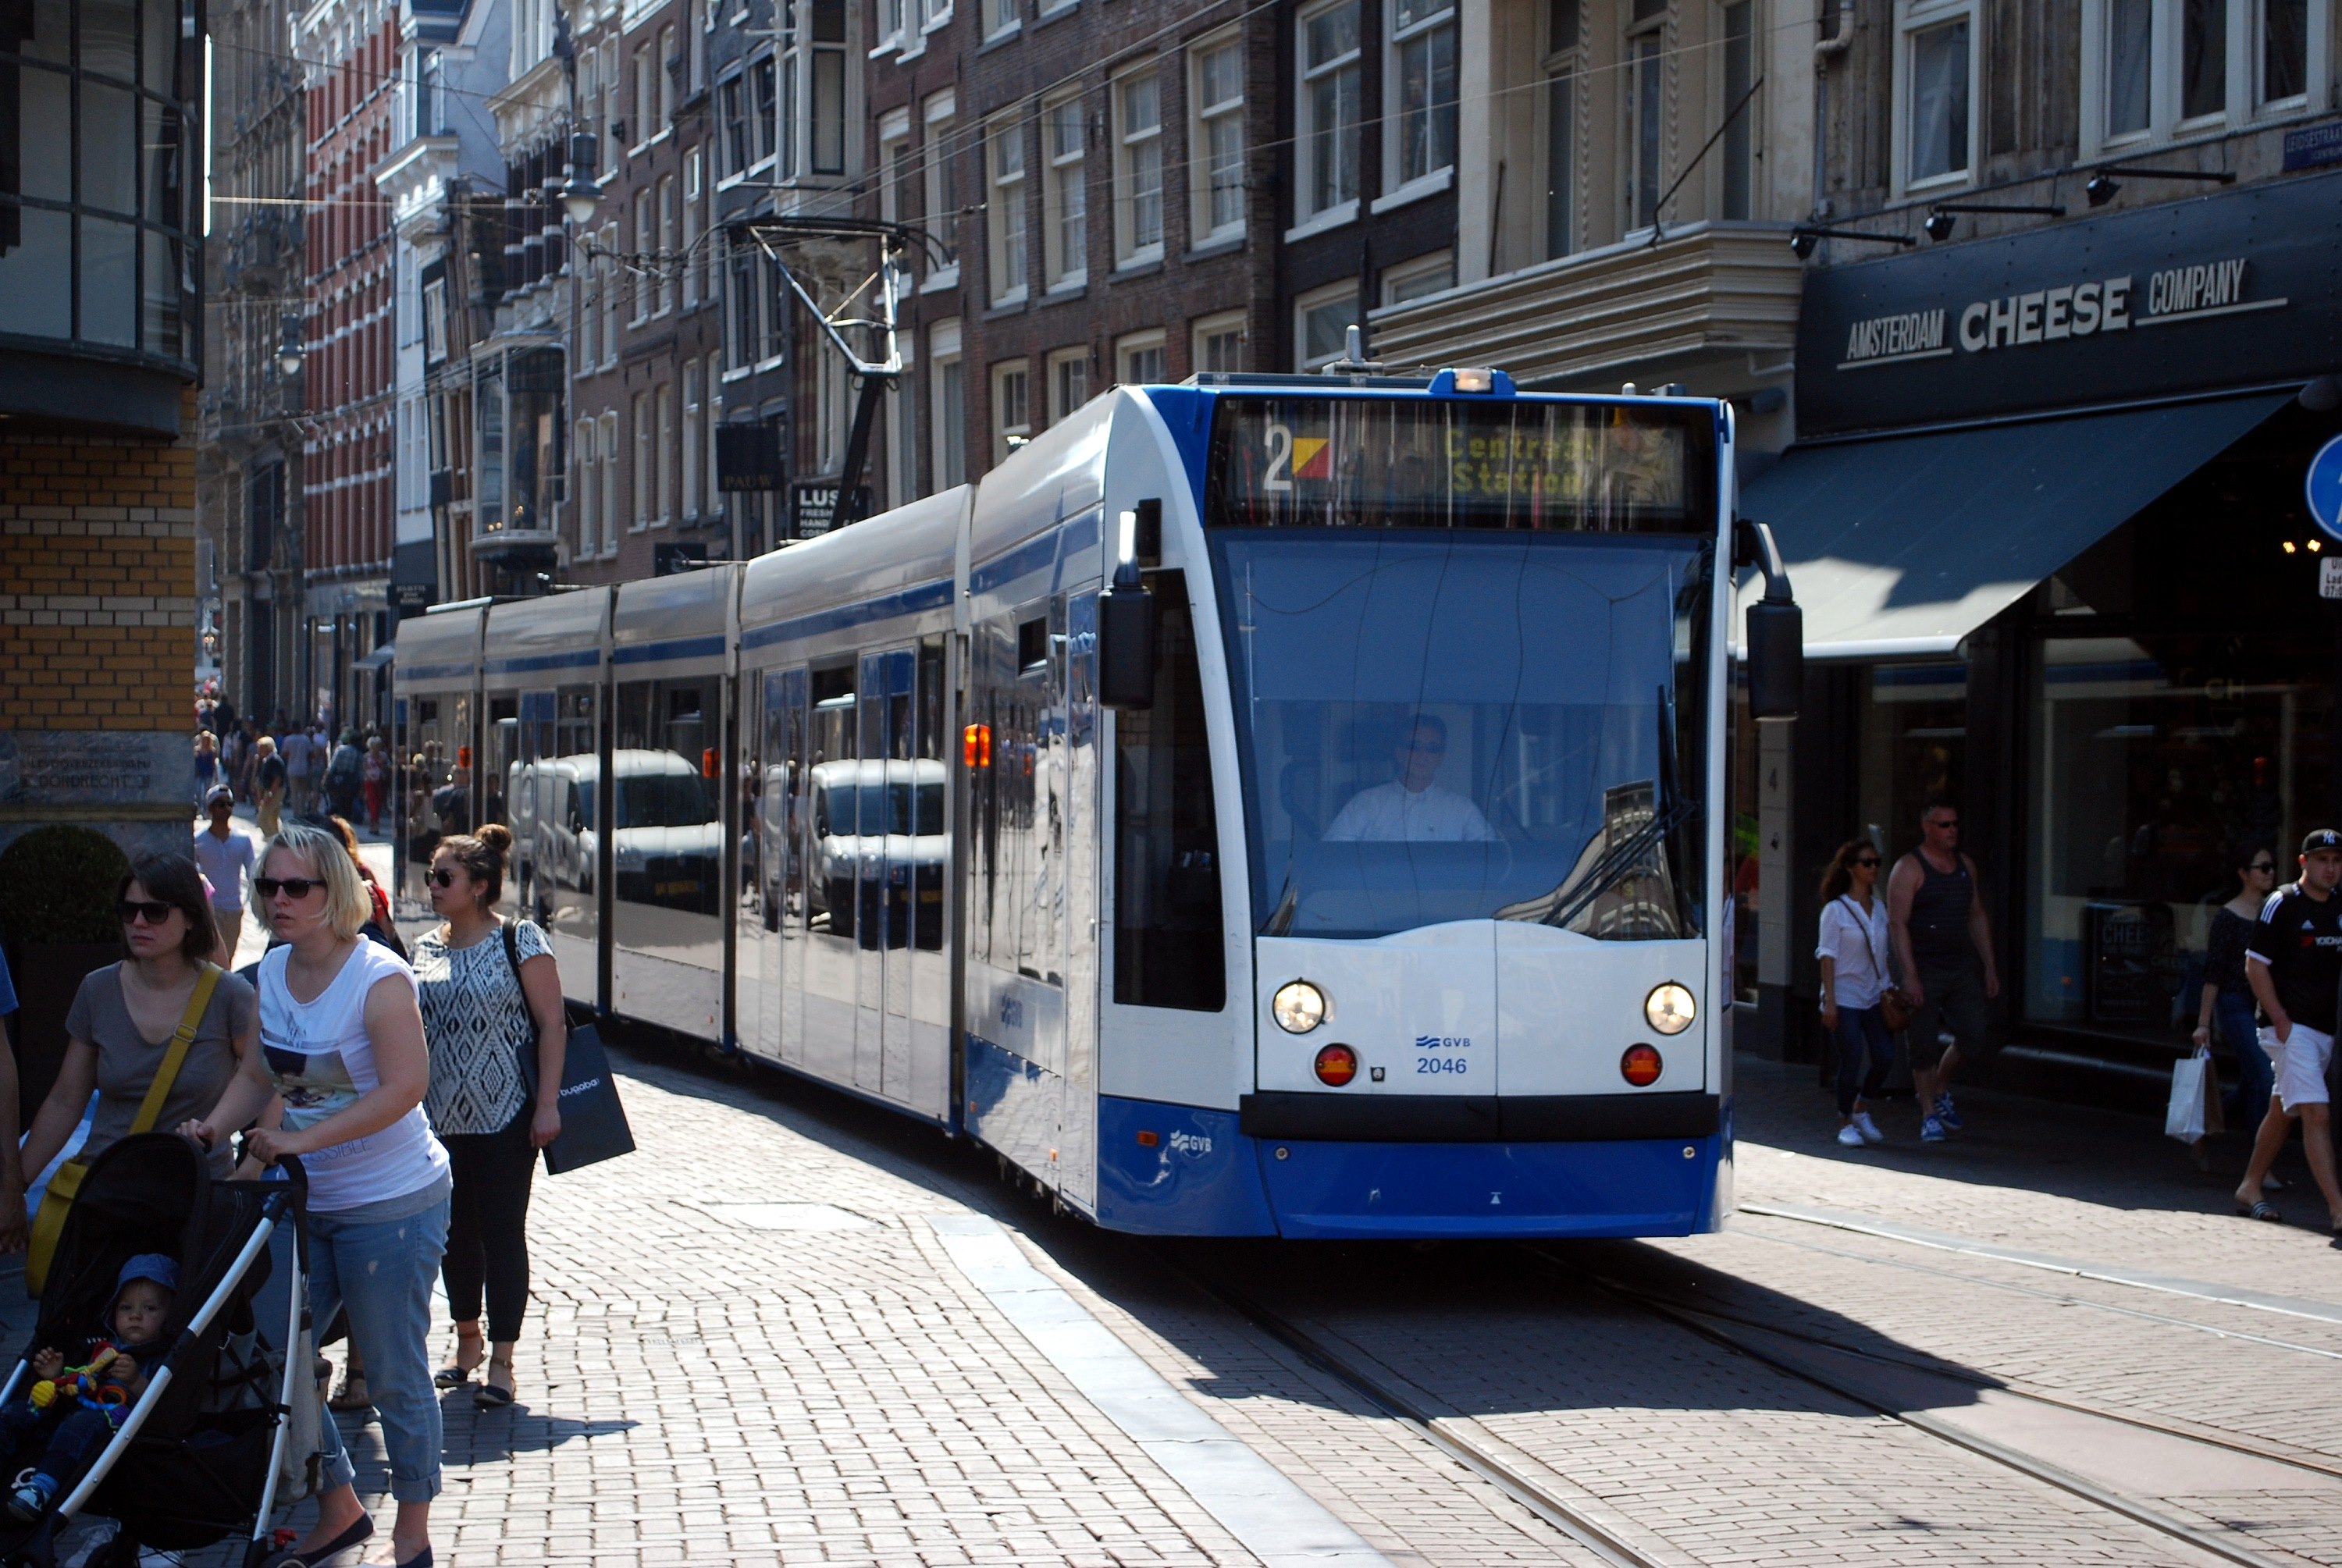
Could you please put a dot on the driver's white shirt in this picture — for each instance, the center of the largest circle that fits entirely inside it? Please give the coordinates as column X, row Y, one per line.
column 1391, row 814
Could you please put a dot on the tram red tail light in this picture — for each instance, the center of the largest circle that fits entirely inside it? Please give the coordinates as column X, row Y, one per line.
column 707, row 763
column 1336, row 1065
column 1641, row 1065
column 976, row 746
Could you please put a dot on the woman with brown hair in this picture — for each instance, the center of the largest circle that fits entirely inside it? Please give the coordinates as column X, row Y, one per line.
column 492, row 1013
column 1855, row 977
column 120, row 1028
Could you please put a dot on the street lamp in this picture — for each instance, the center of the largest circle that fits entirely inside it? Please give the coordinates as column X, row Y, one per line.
column 288, row 347
column 580, row 195
column 2103, row 185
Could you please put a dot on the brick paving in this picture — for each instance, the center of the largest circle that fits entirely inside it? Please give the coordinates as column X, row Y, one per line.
column 750, row 1347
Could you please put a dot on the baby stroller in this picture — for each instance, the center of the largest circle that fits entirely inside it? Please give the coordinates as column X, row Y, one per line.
column 196, row 1458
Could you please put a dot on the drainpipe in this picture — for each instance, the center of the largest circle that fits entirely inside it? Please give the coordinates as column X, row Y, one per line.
column 1826, row 50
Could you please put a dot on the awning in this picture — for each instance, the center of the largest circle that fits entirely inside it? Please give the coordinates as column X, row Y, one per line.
column 377, row 659
column 1904, row 546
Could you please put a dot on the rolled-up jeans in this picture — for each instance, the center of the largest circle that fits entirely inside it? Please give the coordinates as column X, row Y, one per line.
column 382, row 1271
column 2256, row 1079
column 1862, row 1040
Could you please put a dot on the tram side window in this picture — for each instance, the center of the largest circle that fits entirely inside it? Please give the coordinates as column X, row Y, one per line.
column 829, row 891
column 927, row 814
column 1020, row 832
column 1167, row 949
column 667, row 831
column 991, row 675
column 504, row 750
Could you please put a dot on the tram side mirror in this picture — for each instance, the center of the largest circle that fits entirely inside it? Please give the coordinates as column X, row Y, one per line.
column 1126, row 618
column 1776, row 638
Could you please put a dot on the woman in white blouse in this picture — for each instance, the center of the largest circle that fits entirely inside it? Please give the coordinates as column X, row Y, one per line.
column 1856, row 970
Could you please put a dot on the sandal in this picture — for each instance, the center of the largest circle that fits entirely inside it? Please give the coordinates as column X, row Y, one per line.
column 353, row 1537
column 489, row 1395
column 353, row 1394
column 458, row 1373
column 2264, row 1209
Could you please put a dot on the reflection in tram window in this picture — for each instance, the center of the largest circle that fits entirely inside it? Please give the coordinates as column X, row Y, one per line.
column 667, row 837
column 504, row 751
column 1167, row 945
column 830, row 888
column 1017, row 902
column 928, row 822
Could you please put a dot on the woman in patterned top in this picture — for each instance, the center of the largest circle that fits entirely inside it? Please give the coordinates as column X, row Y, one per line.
column 492, row 1013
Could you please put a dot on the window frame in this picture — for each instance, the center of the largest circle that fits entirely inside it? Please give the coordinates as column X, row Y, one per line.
column 2243, row 105
column 1317, row 299
column 1203, row 119
column 1011, row 382
column 1435, row 178
column 1751, row 129
column 1000, row 19
column 667, row 217
column 638, row 488
column 609, row 482
column 939, row 186
column 586, row 454
column 692, row 410
column 1309, row 219
column 1440, row 263
column 947, row 437
column 1006, row 214
column 1912, row 18
column 1204, row 329
column 1132, row 147
column 1062, row 273
column 1153, row 340
column 1061, row 402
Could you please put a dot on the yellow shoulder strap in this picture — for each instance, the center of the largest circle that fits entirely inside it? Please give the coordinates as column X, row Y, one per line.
column 176, row 1056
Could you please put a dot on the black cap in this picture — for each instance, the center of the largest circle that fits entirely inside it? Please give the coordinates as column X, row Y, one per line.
column 2321, row 838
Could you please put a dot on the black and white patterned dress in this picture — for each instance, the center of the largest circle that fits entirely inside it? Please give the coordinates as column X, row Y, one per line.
column 477, row 1022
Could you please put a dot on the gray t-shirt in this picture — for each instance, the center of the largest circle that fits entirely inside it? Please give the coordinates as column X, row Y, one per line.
column 127, row 1063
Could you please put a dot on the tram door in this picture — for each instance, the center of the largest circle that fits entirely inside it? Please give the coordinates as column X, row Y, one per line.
column 1078, row 1122
column 882, row 924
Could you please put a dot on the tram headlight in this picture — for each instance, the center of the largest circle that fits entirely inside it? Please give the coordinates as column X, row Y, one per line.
column 1298, row 1007
column 1669, row 1008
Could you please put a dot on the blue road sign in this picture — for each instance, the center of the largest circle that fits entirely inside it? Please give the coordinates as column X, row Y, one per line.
column 2324, row 487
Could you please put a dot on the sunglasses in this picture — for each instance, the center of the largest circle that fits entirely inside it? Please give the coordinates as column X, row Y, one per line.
column 153, row 911
column 1865, row 860
column 2268, row 866
column 441, row 878
column 290, row 886
column 1950, row 825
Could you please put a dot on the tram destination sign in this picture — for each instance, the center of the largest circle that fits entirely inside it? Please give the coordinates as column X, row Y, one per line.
column 2234, row 289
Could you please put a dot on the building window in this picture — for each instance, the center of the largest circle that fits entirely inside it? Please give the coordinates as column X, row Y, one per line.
column 610, row 483
column 669, row 247
column 740, row 310
column 891, row 31
column 641, row 414
column 948, row 393
column 1012, row 406
column 669, row 62
column 646, row 106
column 812, row 94
column 1219, row 344
column 1005, row 214
column 690, row 438
column 2282, row 60
column 644, row 244
column 1138, row 169
column 1327, row 112
column 1069, row 382
column 609, row 291
column 1216, row 153
column 1933, row 81
column 691, row 260
column 2153, row 69
column 901, row 410
column 589, row 502
column 1321, row 322
column 1412, row 280
column 1142, row 359
column 1739, row 147
column 1000, row 17
column 733, row 97
column 663, row 401
column 942, row 190
column 94, row 228
column 1421, row 59
column 1064, row 238
column 713, row 417
column 763, row 87
column 434, row 321
column 1559, row 145
column 1643, row 146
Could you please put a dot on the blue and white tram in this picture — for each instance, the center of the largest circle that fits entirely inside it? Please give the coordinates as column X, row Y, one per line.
column 1271, row 806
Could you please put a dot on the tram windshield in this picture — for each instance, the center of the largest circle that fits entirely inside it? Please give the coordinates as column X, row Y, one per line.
column 1443, row 725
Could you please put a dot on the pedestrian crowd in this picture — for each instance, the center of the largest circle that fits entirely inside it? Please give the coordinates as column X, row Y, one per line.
column 415, row 1089
column 286, row 765
column 1917, row 961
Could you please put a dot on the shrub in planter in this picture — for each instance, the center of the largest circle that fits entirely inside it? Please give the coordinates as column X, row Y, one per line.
column 56, row 909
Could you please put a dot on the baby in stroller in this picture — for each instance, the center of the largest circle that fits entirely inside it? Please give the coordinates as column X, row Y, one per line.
column 73, row 1416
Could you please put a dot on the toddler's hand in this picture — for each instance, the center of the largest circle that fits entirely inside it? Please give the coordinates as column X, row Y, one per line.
column 47, row 1364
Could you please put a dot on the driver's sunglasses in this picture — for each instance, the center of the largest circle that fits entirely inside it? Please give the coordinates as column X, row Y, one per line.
column 153, row 911
column 290, row 886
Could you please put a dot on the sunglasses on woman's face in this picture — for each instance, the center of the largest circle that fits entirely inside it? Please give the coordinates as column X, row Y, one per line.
column 153, row 911
column 440, row 878
column 2262, row 866
column 1865, row 860
column 290, row 886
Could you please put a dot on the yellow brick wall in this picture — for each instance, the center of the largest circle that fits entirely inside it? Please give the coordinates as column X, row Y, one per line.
column 97, row 580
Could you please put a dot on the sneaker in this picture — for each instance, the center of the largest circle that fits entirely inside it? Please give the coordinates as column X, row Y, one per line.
column 1867, row 1128
column 1849, row 1137
column 1931, row 1131
column 1947, row 1115
column 32, row 1497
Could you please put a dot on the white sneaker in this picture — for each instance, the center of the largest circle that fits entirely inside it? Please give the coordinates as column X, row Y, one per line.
column 1849, row 1137
column 1867, row 1128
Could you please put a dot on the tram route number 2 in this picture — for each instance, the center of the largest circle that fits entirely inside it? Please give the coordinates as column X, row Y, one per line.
column 1307, row 457
column 1443, row 1053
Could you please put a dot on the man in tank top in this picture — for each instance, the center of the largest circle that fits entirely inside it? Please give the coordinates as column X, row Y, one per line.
column 1942, row 944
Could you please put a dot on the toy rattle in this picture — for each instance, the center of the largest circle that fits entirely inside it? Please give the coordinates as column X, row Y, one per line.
column 81, row 1382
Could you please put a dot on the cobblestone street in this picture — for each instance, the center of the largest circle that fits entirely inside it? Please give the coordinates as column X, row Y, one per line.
column 790, row 1329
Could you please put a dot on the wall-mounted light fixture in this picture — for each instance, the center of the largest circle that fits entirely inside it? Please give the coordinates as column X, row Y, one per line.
column 1805, row 237
column 2103, row 183
column 1941, row 218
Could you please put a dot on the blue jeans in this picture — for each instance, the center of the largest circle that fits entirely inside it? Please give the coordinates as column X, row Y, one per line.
column 1862, row 1031
column 383, row 1272
column 2255, row 1079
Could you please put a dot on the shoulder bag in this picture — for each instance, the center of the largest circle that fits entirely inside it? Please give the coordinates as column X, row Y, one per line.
column 593, row 1123
column 1895, row 1006
column 56, row 1200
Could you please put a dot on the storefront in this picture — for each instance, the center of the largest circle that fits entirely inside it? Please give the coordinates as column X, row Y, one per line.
column 2047, row 518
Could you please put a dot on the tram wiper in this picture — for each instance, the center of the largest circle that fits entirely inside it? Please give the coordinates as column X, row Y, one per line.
column 1630, row 843
column 1289, row 902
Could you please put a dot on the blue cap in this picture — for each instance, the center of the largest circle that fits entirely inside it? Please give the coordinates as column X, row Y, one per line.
column 154, row 1266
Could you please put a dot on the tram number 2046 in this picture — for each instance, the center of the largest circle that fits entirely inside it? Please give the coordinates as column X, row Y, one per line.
column 1443, row 1053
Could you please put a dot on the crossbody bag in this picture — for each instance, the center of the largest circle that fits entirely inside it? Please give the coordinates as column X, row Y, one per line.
column 1895, row 1005
column 65, row 1183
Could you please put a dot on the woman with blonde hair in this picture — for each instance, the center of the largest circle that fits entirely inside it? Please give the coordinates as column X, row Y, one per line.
column 343, row 1048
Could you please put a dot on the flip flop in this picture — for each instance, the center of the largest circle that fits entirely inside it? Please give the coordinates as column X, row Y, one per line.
column 340, row 1543
column 2264, row 1209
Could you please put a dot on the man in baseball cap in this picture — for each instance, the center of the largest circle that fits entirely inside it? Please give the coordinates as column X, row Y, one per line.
column 2295, row 964
column 226, row 857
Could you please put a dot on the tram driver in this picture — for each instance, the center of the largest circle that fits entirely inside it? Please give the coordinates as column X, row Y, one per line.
column 1412, row 808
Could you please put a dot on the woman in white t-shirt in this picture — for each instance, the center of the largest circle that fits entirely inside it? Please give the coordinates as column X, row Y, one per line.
column 1856, row 973
column 342, row 1045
